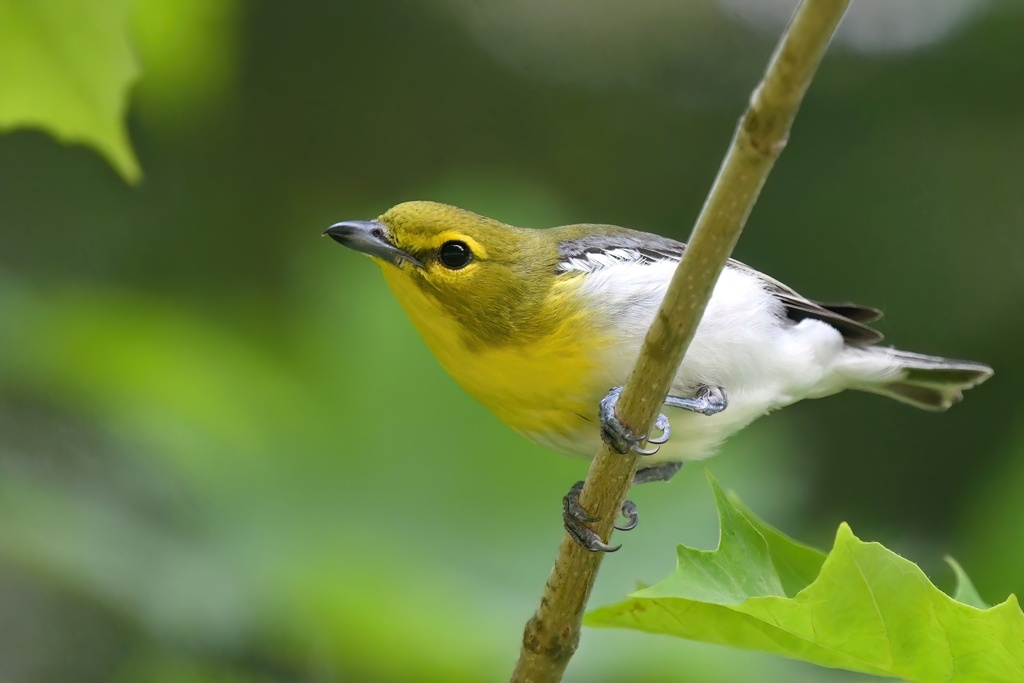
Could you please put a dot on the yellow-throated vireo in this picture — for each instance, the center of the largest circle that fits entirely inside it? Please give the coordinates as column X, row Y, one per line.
column 543, row 326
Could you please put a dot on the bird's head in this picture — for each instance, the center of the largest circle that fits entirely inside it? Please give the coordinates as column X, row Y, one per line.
column 489, row 278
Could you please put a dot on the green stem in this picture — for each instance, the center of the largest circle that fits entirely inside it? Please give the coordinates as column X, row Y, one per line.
column 552, row 634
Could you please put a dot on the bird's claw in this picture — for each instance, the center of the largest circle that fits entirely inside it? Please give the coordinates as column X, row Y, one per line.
column 708, row 400
column 618, row 436
column 574, row 517
column 663, row 425
column 571, row 505
column 629, row 510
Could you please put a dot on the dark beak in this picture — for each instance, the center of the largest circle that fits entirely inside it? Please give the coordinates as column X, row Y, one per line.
column 369, row 237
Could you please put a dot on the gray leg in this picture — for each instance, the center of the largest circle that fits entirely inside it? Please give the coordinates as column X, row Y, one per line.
column 656, row 473
column 574, row 517
column 708, row 400
column 612, row 431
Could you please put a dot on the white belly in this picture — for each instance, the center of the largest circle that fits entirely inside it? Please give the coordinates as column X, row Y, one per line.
column 743, row 345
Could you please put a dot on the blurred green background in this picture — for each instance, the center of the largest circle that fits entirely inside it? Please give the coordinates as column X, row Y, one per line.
column 225, row 454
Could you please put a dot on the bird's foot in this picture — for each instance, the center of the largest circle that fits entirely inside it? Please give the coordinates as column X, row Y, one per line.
column 619, row 437
column 662, row 472
column 575, row 520
column 708, row 400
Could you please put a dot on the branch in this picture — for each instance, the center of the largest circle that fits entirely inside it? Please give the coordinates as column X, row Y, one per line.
column 551, row 636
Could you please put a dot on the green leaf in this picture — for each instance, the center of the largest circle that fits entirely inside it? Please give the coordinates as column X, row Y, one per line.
column 965, row 591
column 65, row 68
column 796, row 563
column 866, row 610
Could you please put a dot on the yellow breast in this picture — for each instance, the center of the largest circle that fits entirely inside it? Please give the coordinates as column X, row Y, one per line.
column 546, row 388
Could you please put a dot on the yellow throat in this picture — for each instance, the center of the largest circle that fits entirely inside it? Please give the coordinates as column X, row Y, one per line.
column 544, row 386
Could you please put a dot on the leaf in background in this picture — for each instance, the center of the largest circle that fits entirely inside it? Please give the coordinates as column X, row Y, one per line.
column 189, row 50
column 868, row 610
column 65, row 68
column 965, row 591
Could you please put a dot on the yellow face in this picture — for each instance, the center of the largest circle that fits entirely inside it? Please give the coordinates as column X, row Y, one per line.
column 491, row 279
column 487, row 300
column 453, row 265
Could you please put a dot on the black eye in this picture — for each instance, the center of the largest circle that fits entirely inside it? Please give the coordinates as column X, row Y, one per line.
column 455, row 254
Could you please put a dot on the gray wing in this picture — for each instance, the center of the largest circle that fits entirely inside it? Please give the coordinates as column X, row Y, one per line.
column 850, row 319
column 611, row 243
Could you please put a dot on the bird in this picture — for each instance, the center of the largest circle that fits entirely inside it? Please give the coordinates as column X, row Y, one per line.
column 542, row 326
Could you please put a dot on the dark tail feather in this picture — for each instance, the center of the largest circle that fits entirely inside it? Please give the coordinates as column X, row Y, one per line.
column 931, row 382
column 862, row 314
